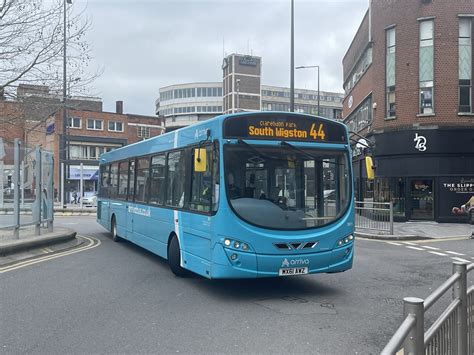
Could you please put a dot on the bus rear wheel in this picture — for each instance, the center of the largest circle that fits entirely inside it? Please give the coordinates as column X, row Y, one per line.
column 113, row 229
column 174, row 257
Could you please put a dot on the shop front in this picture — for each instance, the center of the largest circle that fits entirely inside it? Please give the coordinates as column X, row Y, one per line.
column 90, row 175
column 427, row 174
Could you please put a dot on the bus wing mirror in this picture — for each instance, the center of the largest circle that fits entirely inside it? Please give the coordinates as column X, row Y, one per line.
column 200, row 160
column 369, row 167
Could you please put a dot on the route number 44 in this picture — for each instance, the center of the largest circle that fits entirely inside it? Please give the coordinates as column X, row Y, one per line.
column 319, row 133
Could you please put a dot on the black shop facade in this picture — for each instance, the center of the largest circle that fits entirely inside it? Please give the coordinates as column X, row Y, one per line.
column 428, row 174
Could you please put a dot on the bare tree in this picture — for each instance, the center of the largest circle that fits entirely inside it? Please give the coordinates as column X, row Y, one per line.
column 31, row 46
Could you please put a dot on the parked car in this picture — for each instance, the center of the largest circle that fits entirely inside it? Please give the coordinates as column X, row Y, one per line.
column 90, row 201
column 329, row 194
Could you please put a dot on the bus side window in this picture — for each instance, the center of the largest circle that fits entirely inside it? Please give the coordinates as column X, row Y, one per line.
column 157, row 183
column 113, row 180
column 123, row 180
column 104, row 180
column 142, row 180
column 131, row 180
column 176, row 177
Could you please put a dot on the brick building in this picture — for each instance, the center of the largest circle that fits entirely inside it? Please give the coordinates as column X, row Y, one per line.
column 89, row 134
column 408, row 84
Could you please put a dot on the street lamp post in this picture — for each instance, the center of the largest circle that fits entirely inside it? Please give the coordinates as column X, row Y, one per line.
column 310, row 67
column 292, row 60
column 64, row 138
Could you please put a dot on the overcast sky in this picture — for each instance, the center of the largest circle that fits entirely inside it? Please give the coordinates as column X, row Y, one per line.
column 143, row 45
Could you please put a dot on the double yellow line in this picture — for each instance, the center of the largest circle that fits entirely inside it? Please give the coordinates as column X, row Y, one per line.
column 92, row 243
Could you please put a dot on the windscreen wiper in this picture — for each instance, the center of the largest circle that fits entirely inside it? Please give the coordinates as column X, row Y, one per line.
column 306, row 153
column 252, row 148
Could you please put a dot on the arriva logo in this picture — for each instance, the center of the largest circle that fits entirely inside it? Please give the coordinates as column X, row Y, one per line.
column 287, row 263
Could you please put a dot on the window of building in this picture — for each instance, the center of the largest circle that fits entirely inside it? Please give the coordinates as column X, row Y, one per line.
column 74, row 122
column 426, row 67
column 115, row 126
column 360, row 68
column 143, row 132
column 142, row 182
column 157, row 183
column 391, row 189
column 123, row 180
column 361, row 117
column 86, row 152
column 94, row 124
column 176, row 179
column 465, row 65
column 390, row 73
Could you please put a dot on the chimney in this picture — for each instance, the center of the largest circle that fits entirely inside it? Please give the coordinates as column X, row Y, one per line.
column 119, row 107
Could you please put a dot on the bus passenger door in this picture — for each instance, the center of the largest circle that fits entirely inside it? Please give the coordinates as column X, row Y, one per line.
column 197, row 224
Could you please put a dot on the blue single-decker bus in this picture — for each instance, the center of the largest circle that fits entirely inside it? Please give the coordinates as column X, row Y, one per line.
column 260, row 194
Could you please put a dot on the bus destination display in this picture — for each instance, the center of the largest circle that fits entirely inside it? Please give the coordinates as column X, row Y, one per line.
column 291, row 128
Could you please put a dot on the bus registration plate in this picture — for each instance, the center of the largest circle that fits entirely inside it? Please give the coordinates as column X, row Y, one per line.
column 293, row 271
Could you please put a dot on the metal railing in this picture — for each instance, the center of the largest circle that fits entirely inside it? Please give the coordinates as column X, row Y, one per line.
column 32, row 172
column 451, row 333
column 374, row 216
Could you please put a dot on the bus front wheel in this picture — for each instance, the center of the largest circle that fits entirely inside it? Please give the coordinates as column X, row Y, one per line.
column 174, row 257
column 113, row 229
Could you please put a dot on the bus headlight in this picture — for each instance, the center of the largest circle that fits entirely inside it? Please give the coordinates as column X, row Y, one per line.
column 345, row 241
column 236, row 244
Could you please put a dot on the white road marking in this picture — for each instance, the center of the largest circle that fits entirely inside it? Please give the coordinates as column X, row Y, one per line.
column 454, row 253
column 25, row 263
column 415, row 248
column 461, row 259
column 436, row 253
column 393, row 243
column 432, row 248
column 410, row 243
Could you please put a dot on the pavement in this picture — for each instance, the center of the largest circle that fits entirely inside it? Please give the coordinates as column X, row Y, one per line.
column 69, row 210
column 421, row 230
column 28, row 241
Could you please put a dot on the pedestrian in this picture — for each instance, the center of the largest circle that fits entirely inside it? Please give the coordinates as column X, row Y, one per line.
column 74, row 196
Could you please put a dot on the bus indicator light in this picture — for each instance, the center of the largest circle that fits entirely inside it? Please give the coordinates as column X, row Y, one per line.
column 227, row 242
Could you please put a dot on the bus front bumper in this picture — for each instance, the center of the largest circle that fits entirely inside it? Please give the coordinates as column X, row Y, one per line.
column 228, row 263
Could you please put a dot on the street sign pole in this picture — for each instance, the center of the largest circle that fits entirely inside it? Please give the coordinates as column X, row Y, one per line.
column 81, row 184
column 17, row 186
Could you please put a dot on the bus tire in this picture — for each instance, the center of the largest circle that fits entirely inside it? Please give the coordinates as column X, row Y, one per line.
column 174, row 257
column 113, row 230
